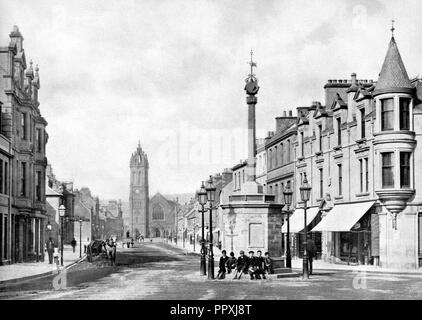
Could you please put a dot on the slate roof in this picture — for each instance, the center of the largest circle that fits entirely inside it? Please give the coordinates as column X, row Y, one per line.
column 393, row 74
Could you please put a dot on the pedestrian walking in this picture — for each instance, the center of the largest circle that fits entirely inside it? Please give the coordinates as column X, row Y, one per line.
column 242, row 265
column 231, row 263
column 311, row 250
column 50, row 250
column 268, row 263
column 73, row 244
column 222, row 265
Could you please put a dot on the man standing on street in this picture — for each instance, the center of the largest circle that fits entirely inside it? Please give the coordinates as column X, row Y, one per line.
column 261, row 264
column 73, row 244
column 50, row 250
column 311, row 252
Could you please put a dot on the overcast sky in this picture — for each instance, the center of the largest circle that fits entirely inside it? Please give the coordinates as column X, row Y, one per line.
column 171, row 73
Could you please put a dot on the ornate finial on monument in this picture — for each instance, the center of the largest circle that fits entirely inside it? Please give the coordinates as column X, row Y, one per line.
column 251, row 81
column 392, row 28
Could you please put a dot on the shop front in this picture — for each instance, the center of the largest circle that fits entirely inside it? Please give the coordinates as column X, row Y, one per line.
column 297, row 226
column 350, row 234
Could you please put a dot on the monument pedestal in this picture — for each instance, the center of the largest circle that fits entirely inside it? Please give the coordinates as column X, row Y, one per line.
column 253, row 222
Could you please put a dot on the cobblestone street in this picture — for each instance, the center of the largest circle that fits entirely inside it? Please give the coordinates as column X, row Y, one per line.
column 159, row 271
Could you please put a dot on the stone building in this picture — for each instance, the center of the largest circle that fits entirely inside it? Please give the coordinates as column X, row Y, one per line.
column 359, row 153
column 23, row 161
column 112, row 212
column 136, row 220
column 163, row 215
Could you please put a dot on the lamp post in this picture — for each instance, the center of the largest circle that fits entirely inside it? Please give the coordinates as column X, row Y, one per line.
column 288, row 193
column 80, row 237
column 202, row 199
column 62, row 212
column 305, row 192
column 211, row 198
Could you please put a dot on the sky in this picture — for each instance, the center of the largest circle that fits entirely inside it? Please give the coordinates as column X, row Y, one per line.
column 171, row 75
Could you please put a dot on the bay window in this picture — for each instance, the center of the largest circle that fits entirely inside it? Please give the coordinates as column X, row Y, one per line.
column 387, row 159
column 387, row 114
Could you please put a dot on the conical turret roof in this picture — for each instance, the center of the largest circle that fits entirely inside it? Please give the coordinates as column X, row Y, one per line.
column 393, row 76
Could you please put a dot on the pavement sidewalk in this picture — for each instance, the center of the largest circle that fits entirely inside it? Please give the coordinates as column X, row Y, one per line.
column 317, row 264
column 324, row 265
column 29, row 270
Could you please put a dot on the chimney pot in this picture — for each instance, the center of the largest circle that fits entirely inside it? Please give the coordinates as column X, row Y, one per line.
column 284, row 113
column 290, row 113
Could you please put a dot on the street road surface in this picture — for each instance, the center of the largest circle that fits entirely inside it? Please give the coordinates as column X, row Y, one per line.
column 159, row 271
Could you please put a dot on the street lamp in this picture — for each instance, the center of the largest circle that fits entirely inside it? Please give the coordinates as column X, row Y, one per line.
column 288, row 194
column 202, row 199
column 211, row 198
column 62, row 212
column 80, row 237
column 305, row 192
column 49, row 226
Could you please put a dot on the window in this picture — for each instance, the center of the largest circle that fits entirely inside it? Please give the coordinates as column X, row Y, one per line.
column 276, row 193
column 24, row 126
column 288, row 151
column 387, row 169
column 338, row 131
column 1, row 176
column 6, row 175
column 321, row 183
column 243, row 175
column 361, row 174
column 158, row 213
column 271, row 189
column 404, row 114
column 320, row 137
column 281, row 154
column 23, row 179
column 39, row 141
column 340, row 180
column 366, row 175
column 275, row 157
column 38, row 185
column 270, row 159
column 404, row 169
column 362, row 123
column 387, row 114
column 302, row 145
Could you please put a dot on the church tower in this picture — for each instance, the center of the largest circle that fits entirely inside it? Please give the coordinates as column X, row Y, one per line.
column 138, row 194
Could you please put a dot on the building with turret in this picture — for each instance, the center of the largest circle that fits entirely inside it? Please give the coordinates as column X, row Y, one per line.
column 136, row 221
column 359, row 153
column 23, row 161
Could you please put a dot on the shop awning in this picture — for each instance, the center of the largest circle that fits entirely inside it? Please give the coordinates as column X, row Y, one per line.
column 343, row 217
column 297, row 220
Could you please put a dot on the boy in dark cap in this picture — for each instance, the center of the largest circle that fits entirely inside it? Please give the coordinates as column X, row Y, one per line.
column 261, row 264
column 231, row 262
column 241, row 265
column 222, row 265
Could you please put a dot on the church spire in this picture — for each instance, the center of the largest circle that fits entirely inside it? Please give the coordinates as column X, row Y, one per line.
column 393, row 76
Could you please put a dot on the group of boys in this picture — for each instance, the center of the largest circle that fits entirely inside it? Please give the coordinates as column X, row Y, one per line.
column 255, row 266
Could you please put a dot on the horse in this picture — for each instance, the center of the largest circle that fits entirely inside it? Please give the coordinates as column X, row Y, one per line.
column 110, row 249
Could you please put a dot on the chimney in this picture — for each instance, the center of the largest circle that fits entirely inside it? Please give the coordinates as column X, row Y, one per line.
column 284, row 113
column 290, row 113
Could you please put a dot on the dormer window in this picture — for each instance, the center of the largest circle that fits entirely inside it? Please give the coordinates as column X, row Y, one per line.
column 387, row 114
column 404, row 108
column 320, row 136
column 302, row 144
column 362, row 123
column 338, row 120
